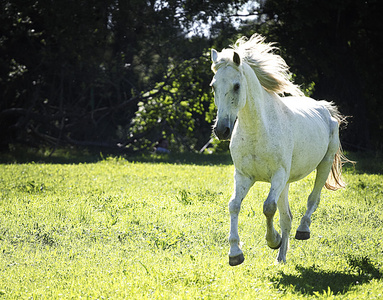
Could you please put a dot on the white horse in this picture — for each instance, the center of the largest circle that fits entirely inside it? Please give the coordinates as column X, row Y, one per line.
column 274, row 138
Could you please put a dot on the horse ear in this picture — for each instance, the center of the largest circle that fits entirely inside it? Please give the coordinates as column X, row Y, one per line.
column 214, row 55
column 236, row 58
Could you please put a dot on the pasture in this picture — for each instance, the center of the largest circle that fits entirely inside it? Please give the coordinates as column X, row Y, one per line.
column 115, row 229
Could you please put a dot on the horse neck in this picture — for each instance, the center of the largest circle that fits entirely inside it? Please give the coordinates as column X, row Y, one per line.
column 259, row 103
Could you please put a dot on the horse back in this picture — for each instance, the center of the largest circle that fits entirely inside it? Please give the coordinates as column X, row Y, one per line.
column 296, row 137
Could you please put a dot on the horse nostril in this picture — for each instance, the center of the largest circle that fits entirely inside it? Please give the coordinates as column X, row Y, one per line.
column 222, row 134
column 226, row 133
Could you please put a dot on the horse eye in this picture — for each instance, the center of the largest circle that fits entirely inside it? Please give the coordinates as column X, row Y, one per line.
column 236, row 87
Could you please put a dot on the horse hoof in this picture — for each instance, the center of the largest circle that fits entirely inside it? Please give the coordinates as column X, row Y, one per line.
column 236, row 260
column 302, row 235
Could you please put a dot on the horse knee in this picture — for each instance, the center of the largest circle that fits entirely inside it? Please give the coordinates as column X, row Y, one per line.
column 234, row 206
column 269, row 209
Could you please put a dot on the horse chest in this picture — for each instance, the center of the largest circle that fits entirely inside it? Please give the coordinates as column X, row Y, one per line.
column 256, row 160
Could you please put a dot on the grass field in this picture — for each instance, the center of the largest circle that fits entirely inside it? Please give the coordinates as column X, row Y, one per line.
column 115, row 229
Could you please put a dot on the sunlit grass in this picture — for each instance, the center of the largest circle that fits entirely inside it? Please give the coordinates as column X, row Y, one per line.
column 119, row 229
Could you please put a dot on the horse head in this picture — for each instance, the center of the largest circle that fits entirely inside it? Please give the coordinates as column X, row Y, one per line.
column 229, row 86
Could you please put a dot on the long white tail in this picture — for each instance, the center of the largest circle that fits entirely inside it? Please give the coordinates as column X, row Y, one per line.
column 334, row 180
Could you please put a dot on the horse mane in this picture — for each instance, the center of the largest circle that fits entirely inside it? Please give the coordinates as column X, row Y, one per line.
column 270, row 68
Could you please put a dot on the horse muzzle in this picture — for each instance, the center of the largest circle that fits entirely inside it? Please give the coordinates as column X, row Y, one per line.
column 222, row 131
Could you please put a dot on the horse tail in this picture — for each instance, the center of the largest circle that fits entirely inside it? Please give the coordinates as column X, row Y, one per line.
column 334, row 180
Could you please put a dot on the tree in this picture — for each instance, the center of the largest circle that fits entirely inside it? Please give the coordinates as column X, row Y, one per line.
column 76, row 72
column 335, row 44
column 103, row 73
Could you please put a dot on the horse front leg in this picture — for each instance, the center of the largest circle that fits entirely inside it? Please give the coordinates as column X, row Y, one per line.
column 242, row 185
column 285, row 218
column 278, row 183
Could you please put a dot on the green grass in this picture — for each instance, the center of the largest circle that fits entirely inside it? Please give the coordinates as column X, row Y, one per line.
column 114, row 228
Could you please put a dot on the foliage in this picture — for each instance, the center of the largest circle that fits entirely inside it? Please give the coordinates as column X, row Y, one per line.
column 119, row 229
column 89, row 73
column 74, row 72
column 331, row 44
column 178, row 108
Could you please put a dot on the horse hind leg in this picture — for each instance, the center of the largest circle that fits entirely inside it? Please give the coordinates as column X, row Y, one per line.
column 323, row 170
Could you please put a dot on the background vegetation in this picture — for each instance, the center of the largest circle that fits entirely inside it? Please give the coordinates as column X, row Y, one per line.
column 109, row 73
column 119, row 229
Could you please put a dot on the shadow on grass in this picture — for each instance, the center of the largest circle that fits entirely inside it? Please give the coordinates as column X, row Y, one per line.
column 312, row 280
column 366, row 162
column 184, row 158
column 78, row 155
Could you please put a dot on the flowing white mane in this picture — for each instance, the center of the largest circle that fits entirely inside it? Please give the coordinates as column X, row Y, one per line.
column 270, row 68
